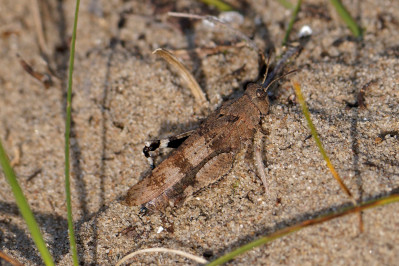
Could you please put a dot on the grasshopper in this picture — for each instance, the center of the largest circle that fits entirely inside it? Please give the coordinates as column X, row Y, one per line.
column 208, row 153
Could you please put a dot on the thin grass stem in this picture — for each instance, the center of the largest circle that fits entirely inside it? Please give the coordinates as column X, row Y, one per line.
column 330, row 166
column 220, row 5
column 71, row 233
column 313, row 130
column 285, row 3
column 292, row 21
column 346, row 16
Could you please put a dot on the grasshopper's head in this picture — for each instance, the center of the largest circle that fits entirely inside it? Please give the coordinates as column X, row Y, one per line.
column 258, row 97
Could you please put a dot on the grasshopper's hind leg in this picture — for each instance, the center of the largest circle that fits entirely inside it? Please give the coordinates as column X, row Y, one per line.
column 171, row 142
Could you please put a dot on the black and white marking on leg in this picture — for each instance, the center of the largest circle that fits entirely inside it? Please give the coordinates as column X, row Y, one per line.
column 171, row 142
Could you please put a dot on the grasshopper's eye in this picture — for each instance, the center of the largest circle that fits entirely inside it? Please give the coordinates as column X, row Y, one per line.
column 260, row 93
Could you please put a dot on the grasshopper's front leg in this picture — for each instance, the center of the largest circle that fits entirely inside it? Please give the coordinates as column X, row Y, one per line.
column 258, row 161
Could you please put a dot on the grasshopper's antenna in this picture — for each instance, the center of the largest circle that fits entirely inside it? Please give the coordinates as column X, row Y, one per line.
column 304, row 36
column 279, row 66
column 282, row 76
column 267, row 69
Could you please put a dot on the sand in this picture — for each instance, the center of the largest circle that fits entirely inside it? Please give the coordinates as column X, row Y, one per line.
column 124, row 95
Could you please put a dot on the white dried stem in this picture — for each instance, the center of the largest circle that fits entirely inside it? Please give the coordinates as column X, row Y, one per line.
column 167, row 250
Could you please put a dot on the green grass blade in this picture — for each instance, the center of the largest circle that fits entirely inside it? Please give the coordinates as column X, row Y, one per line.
column 344, row 14
column 24, row 208
column 220, row 5
column 315, row 136
column 292, row 21
column 286, row 4
column 302, row 225
column 71, row 233
column 313, row 130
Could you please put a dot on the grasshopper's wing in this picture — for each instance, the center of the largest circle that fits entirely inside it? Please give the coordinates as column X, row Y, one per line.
column 183, row 163
column 161, row 178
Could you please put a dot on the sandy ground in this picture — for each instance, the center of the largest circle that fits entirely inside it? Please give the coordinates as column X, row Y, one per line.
column 124, row 95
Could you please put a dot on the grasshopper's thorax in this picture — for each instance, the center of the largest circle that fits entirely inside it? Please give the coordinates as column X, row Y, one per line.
column 258, row 97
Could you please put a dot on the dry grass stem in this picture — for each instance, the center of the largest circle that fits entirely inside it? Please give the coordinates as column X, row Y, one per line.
column 10, row 260
column 185, row 74
column 39, row 27
column 167, row 250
